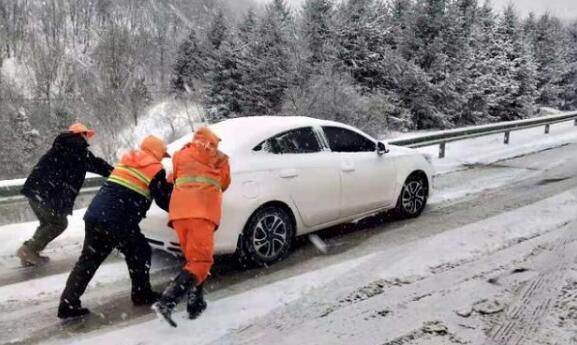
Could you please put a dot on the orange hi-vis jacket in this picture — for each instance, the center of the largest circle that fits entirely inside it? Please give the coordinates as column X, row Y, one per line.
column 135, row 171
column 200, row 178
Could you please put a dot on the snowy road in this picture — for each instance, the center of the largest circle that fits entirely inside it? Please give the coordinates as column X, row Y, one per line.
column 509, row 222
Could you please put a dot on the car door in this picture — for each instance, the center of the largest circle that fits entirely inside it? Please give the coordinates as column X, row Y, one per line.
column 306, row 172
column 367, row 179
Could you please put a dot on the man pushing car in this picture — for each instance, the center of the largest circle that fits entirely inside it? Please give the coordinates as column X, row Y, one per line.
column 201, row 174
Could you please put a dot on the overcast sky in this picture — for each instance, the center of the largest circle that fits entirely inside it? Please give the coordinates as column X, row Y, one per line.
column 563, row 8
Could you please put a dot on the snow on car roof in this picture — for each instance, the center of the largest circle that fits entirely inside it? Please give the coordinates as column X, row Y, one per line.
column 243, row 133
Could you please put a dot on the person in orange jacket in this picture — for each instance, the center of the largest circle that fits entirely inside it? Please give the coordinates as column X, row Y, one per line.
column 201, row 173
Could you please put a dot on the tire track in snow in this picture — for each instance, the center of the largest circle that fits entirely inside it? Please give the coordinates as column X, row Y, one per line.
column 522, row 319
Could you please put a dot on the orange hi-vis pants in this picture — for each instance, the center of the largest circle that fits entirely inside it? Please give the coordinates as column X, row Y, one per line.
column 196, row 238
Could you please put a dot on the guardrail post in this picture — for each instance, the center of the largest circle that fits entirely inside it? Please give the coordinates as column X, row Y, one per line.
column 442, row 150
column 547, row 128
column 507, row 137
column 575, row 123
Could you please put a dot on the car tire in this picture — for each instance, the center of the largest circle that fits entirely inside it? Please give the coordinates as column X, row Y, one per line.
column 267, row 238
column 413, row 198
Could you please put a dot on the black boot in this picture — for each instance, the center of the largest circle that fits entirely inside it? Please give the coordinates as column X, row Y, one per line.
column 67, row 310
column 195, row 302
column 145, row 298
column 173, row 293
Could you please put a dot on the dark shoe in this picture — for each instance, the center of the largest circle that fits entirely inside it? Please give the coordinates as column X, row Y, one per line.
column 195, row 303
column 66, row 311
column 173, row 293
column 148, row 298
column 164, row 311
column 28, row 257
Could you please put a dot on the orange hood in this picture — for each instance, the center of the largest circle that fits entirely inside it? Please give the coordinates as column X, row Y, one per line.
column 139, row 159
column 206, row 136
column 155, row 146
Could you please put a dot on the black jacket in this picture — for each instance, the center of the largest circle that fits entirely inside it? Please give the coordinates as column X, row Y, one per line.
column 57, row 178
column 119, row 207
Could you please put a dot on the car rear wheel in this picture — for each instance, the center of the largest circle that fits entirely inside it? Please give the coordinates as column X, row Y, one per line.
column 267, row 238
column 413, row 197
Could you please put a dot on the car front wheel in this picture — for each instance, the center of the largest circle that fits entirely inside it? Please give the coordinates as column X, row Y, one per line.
column 267, row 237
column 413, row 197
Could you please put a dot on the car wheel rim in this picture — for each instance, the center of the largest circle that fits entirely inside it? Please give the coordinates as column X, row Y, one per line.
column 270, row 236
column 414, row 197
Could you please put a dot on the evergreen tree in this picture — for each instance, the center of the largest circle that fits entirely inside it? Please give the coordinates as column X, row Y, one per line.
column 481, row 71
column 225, row 82
column 217, row 30
column 517, row 68
column 281, row 12
column 568, row 97
column 360, row 42
column 191, row 64
column 316, row 31
column 266, row 64
column 247, row 27
column 548, row 47
column 428, row 29
column 400, row 36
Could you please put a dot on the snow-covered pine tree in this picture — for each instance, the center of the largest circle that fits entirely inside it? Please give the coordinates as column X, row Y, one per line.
column 217, row 30
column 316, row 31
column 548, row 43
column 266, row 63
column 247, row 27
column 428, row 29
column 281, row 11
column 225, row 73
column 360, row 41
column 401, row 16
column 518, row 70
column 481, row 70
column 225, row 82
column 191, row 64
column 569, row 78
column 430, row 45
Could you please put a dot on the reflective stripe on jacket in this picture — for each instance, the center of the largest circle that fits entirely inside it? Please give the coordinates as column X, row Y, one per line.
column 200, row 182
column 135, row 171
column 198, row 179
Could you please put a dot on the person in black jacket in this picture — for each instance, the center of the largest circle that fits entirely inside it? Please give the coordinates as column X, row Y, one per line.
column 53, row 186
column 112, row 222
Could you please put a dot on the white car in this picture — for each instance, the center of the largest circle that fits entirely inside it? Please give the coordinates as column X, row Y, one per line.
column 295, row 175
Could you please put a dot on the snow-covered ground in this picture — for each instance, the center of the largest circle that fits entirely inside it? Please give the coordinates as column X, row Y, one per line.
column 377, row 298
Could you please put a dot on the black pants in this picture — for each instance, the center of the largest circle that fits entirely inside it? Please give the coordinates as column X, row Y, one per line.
column 98, row 244
column 52, row 224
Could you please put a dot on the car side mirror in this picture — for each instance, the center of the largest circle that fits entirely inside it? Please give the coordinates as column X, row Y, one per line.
column 381, row 148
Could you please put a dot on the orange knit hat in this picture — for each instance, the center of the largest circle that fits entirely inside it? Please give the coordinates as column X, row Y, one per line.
column 79, row 128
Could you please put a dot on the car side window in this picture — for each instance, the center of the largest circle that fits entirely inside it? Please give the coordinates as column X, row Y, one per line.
column 301, row 140
column 344, row 140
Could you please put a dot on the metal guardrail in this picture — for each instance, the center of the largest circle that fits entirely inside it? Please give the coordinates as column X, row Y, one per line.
column 11, row 193
column 441, row 138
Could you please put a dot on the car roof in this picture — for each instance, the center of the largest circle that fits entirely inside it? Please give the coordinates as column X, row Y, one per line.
column 244, row 133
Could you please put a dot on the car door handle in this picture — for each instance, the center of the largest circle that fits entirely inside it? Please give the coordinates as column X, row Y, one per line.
column 348, row 167
column 288, row 173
